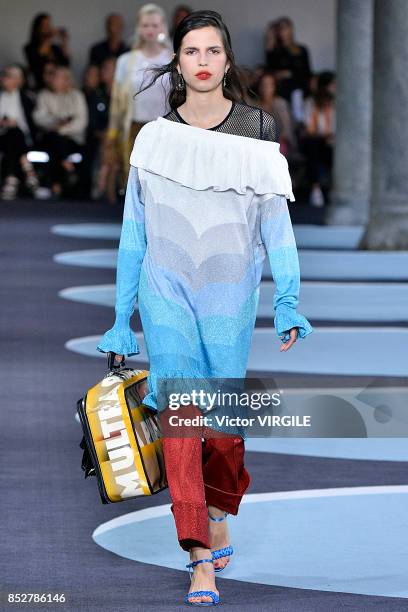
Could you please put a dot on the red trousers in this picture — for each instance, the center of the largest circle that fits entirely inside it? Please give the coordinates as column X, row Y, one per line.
column 200, row 474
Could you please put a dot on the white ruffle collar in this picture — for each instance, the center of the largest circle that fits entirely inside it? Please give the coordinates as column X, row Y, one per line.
column 200, row 159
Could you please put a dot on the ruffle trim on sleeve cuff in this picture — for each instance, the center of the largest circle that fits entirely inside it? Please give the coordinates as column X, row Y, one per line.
column 119, row 340
column 286, row 318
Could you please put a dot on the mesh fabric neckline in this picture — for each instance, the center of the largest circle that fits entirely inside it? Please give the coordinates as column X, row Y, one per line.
column 211, row 128
column 241, row 120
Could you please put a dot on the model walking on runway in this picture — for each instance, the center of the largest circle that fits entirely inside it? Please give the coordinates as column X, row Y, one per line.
column 206, row 201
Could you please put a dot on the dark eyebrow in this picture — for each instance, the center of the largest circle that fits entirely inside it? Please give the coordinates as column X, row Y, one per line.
column 196, row 48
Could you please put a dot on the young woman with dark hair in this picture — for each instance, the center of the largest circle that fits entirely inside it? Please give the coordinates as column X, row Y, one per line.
column 205, row 203
column 46, row 44
column 288, row 59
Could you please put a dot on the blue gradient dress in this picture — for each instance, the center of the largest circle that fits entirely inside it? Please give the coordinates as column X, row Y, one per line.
column 202, row 211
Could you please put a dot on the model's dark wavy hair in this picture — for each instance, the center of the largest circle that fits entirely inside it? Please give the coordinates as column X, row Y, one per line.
column 233, row 90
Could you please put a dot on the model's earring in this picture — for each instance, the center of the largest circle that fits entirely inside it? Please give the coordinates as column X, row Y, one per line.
column 225, row 79
column 180, row 82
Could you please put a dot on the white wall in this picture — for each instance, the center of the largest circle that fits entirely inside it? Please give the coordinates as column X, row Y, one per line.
column 314, row 22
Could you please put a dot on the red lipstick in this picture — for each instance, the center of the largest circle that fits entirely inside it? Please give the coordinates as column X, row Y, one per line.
column 203, row 74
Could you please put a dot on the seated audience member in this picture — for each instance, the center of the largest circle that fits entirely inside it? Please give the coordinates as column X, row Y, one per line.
column 91, row 79
column 48, row 73
column 288, row 60
column 252, row 78
column 247, row 79
column 113, row 45
column 16, row 133
column 280, row 109
column 47, row 44
column 62, row 115
column 317, row 136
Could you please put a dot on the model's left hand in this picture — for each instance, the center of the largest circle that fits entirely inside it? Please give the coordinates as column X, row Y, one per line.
column 293, row 334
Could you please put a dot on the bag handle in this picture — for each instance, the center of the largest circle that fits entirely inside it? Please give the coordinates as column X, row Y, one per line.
column 111, row 361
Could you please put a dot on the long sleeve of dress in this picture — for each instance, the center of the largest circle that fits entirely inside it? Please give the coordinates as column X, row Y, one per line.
column 279, row 241
column 120, row 339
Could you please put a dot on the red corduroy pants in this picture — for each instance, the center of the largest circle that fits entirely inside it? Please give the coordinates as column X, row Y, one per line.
column 200, row 474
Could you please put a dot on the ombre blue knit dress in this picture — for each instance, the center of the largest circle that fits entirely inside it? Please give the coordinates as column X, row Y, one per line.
column 203, row 209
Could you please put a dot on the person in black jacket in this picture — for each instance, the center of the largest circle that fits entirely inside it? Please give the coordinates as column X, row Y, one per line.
column 43, row 47
column 113, row 45
column 288, row 60
column 98, row 101
column 17, row 133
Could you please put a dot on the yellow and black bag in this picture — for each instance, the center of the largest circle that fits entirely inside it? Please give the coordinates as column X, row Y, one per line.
column 121, row 436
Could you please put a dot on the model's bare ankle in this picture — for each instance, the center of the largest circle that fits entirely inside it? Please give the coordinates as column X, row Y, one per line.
column 219, row 535
column 214, row 511
column 197, row 553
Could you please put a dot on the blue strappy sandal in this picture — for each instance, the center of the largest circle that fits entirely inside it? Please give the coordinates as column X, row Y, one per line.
column 215, row 598
column 221, row 552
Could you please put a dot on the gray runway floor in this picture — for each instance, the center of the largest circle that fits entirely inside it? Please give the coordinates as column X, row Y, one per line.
column 48, row 510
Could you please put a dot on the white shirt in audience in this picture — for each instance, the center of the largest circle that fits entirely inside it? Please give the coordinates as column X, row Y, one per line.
column 11, row 107
column 52, row 107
